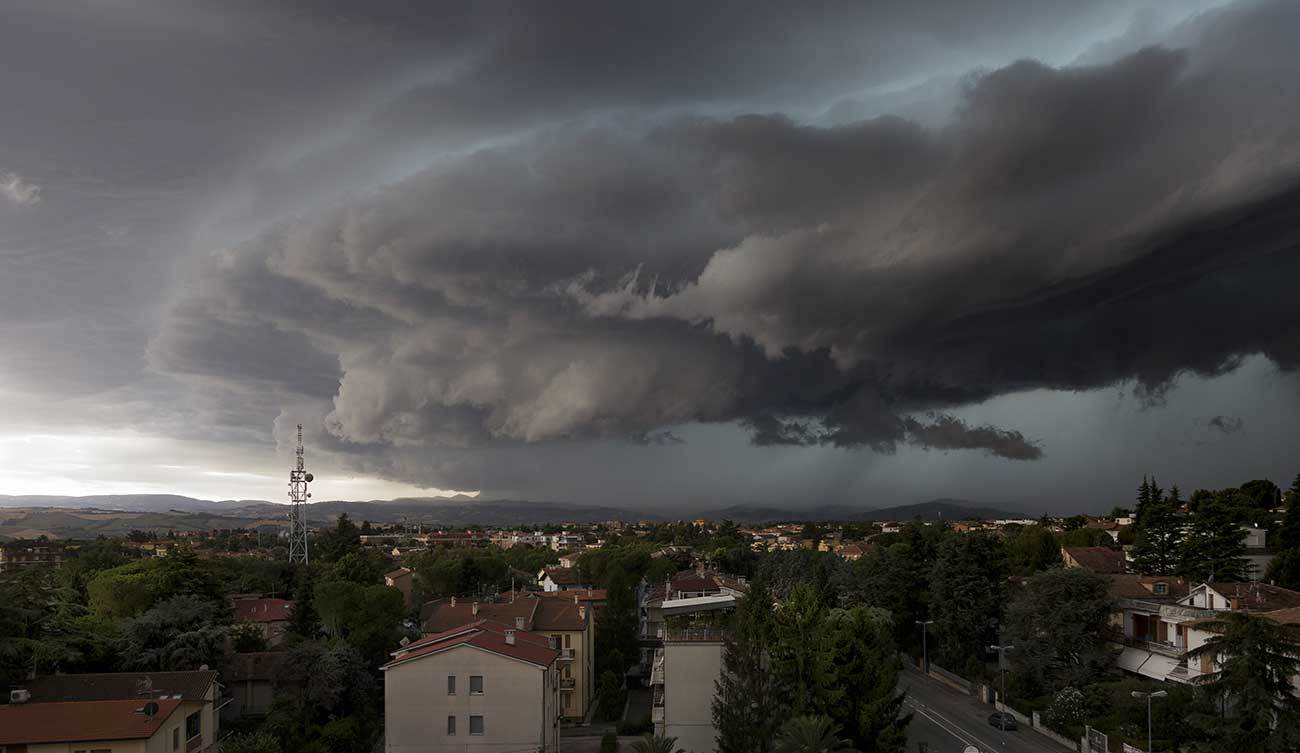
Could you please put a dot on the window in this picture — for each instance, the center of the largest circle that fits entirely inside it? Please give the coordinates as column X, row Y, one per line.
column 476, row 684
column 566, row 699
column 451, row 684
column 1161, row 589
column 193, row 725
column 476, row 725
column 176, row 738
column 568, row 640
column 451, row 725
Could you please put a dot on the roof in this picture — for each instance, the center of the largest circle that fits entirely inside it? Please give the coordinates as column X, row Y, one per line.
column 32, row 723
column 1097, row 559
column 398, row 573
column 1290, row 616
column 108, row 686
column 563, row 576
column 1142, row 587
column 1257, row 597
column 538, row 612
column 262, row 610
column 487, row 635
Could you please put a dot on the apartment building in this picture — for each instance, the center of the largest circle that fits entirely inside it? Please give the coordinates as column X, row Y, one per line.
column 24, row 553
column 486, row 687
column 568, row 622
column 187, row 719
column 271, row 617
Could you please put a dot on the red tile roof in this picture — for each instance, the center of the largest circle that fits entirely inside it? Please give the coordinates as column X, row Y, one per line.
column 262, row 610
column 1258, row 597
column 483, row 634
column 116, row 686
column 538, row 612
column 564, row 576
column 1097, row 559
column 1142, row 587
column 80, row 721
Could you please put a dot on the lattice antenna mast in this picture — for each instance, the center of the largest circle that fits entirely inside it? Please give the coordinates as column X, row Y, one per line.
column 298, row 496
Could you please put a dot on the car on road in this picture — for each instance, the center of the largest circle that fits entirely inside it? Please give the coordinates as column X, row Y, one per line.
column 1002, row 720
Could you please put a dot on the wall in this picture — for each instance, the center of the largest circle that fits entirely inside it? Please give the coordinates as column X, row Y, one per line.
column 690, row 671
column 517, row 705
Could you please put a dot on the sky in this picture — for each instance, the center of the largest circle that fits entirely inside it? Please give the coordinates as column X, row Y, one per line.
column 655, row 255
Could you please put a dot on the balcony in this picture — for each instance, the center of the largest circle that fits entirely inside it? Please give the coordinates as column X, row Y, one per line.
column 657, row 714
column 695, row 635
column 657, row 669
column 566, row 654
column 567, row 683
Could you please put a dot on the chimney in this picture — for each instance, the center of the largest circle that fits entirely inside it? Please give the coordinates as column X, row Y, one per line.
column 510, row 637
column 453, row 601
column 582, row 612
column 473, row 609
column 575, row 597
column 519, row 623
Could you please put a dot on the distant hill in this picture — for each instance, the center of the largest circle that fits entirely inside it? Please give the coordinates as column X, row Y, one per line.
column 133, row 502
column 936, row 509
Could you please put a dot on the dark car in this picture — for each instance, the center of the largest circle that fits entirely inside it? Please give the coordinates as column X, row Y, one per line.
column 1002, row 720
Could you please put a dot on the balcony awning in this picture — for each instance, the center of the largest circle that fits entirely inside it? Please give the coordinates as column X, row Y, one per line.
column 1146, row 663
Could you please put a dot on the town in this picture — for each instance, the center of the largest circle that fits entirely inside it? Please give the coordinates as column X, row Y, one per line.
column 1146, row 627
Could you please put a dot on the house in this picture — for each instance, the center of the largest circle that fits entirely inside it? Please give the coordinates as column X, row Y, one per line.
column 851, row 552
column 485, row 686
column 403, row 579
column 562, row 541
column 24, row 553
column 563, row 617
column 562, row 579
column 191, row 698
column 1099, row 560
column 99, row 726
column 270, row 616
column 249, row 687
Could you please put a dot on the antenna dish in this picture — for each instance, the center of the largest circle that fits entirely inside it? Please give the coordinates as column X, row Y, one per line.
column 310, row 477
column 150, row 709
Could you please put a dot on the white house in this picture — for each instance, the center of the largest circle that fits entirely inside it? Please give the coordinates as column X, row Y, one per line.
column 484, row 687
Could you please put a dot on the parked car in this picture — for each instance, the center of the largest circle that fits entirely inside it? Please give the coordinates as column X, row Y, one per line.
column 1002, row 720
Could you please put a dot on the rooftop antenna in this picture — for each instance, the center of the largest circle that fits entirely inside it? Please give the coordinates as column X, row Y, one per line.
column 298, row 496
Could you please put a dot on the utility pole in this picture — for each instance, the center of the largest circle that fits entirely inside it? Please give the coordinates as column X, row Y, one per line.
column 1002, row 667
column 925, row 652
column 1149, row 696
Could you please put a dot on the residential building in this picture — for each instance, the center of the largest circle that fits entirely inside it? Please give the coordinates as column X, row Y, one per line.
column 485, row 687
column 24, row 553
column 562, row 579
column 403, row 579
column 686, row 665
column 1100, row 560
column 270, row 616
column 684, row 585
column 562, row 541
column 191, row 698
column 566, row 618
column 120, row 726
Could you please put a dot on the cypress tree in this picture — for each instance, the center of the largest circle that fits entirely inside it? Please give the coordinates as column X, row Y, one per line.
column 747, row 704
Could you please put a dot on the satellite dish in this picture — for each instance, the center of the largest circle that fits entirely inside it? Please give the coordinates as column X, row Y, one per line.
column 150, row 709
column 971, row 749
column 310, row 477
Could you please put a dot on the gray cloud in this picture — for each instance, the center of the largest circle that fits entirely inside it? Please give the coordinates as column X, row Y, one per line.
column 1226, row 424
column 18, row 191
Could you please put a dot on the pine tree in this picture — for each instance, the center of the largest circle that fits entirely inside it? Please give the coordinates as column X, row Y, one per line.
column 858, row 673
column 1289, row 534
column 1252, row 684
column 747, row 704
column 1158, row 539
column 1215, row 547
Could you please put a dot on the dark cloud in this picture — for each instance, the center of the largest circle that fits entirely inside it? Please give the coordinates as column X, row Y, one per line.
column 1226, row 424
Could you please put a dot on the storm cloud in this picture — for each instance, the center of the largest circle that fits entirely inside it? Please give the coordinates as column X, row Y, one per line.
column 512, row 231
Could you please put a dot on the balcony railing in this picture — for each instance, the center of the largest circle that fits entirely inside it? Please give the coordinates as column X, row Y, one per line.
column 700, row 634
column 657, row 714
column 1156, row 647
column 567, row 683
column 566, row 654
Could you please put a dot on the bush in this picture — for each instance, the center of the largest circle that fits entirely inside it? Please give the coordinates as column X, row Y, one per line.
column 257, row 742
column 1067, row 710
column 609, row 743
column 634, row 728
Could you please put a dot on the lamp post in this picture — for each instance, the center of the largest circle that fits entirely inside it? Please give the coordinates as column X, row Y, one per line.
column 1149, row 696
column 1002, row 662
column 925, row 651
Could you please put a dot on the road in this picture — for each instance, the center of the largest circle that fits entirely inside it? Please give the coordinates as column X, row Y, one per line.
column 948, row 721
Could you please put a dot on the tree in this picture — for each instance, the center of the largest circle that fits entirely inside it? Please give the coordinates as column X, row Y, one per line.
column 656, row 744
column 330, row 545
column 811, row 734
column 967, row 591
column 368, row 617
column 612, row 695
column 1288, row 536
column 1284, row 569
column 324, row 700
column 1031, row 549
column 1159, row 538
column 180, row 633
column 1256, row 664
column 795, row 652
column 858, row 672
column 251, row 742
column 616, row 642
column 1215, row 545
column 748, row 701
column 1057, row 622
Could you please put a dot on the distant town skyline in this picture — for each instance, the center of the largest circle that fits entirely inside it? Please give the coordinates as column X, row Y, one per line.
column 1021, row 253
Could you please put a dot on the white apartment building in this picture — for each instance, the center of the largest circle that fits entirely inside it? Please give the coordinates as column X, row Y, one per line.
column 485, row 687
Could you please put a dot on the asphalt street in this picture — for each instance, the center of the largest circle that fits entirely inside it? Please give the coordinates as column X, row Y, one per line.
column 948, row 721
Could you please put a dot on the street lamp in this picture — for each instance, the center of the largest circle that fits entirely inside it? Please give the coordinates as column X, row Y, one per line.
column 1149, row 696
column 925, row 652
column 1002, row 667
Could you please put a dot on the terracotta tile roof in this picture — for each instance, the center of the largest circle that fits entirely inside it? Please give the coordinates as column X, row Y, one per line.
column 1258, row 597
column 691, row 581
column 262, row 610
column 35, row 723
column 486, row 635
column 110, row 686
column 558, row 614
column 398, row 573
column 445, row 614
column 564, row 576
column 1289, row 616
column 1142, row 587
column 1097, row 559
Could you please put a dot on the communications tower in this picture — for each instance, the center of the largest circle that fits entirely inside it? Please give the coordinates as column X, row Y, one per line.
column 298, row 496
